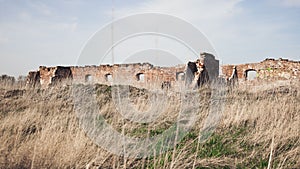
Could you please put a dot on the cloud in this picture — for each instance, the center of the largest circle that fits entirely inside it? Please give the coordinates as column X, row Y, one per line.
column 192, row 10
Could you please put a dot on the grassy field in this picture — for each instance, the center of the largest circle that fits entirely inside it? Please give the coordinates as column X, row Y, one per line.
column 259, row 128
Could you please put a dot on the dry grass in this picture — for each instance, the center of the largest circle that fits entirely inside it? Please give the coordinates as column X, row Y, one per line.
column 258, row 129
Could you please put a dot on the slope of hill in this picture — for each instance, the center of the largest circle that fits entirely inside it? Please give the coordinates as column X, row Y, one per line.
column 39, row 129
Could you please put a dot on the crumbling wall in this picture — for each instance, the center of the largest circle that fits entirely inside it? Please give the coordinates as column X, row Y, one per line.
column 232, row 81
column 61, row 74
column 197, row 74
column 46, row 75
column 139, row 74
column 191, row 71
column 33, row 79
column 143, row 75
column 211, row 65
column 269, row 69
column 120, row 73
column 202, row 71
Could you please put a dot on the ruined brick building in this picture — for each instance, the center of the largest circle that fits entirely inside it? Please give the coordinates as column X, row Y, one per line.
column 269, row 70
column 145, row 75
column 142, row 75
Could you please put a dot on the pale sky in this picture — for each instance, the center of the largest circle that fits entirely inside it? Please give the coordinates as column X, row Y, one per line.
column 53, row 32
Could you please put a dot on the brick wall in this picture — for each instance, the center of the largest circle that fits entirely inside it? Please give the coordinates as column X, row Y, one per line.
column 269, row 69
column 143, row 75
